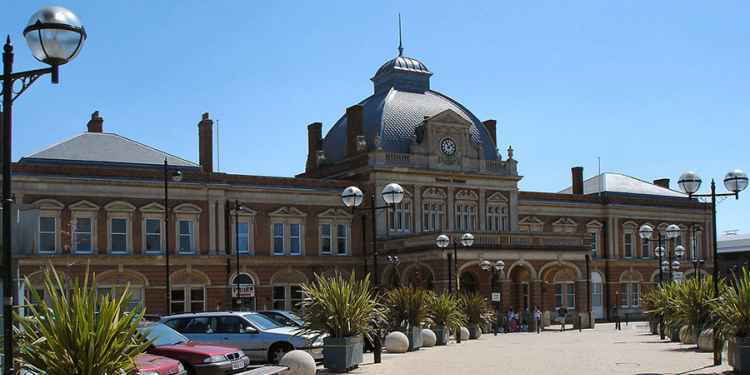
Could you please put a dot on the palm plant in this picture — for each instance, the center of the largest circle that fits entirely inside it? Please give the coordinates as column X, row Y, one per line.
column 732, row 308
column 76, row 332
column 476, row 309
column 340, row 307
column 692, row 301
column 444, row 310
column 407, row 307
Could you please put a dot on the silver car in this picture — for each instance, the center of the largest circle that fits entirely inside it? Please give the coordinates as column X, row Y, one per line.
column 262, row 339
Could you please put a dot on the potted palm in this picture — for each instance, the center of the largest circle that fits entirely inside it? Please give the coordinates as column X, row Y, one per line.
column 74, row 331
column 344, row 309
column 475, row 307
column 692, row 306
column 732, row 311
column 444, row 313
column 407, row 311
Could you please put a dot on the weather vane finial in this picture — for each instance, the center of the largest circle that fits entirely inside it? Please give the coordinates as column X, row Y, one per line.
column 400, row 46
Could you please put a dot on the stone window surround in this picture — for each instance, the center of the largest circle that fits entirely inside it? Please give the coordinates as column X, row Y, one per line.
column 84, row 209
column 595, row 228
column 630, row 289
column 247, row 217
column 437, row 197
column 465, row 198
column 406, row 210
column 153, row 211
column 495, row 201
column 532, row 224
column 564, row 225
column 335, row 217
column 287, row 216
column 630, row 228
column 187, row 212
column 49, row 208
column 120, row 210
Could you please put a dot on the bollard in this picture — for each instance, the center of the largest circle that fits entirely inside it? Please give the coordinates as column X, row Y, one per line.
column 626, row 319
column 378, row 348
column 580, row 325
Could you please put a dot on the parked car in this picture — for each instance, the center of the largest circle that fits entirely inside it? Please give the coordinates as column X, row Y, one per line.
column 149, row 364
column 284, row 317
column 197, row 359
column 262, row 339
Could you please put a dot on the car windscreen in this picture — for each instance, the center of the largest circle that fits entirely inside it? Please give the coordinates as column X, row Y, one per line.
column 160, row 335
column 261, row 321
column 294, row 317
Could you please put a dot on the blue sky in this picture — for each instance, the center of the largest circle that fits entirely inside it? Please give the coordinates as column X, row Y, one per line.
column 653, row 88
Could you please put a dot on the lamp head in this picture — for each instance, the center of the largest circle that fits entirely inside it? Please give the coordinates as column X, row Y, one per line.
column 646, row 231
column 393, row 193
column 442, row 241
column 54, row 35
column 735, row 181
column 690, row 182
column 673, row 231
column 352, row 197
column 467, row 239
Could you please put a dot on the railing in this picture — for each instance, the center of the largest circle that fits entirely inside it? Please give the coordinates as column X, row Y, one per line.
column 504, row 240
column 395, row 159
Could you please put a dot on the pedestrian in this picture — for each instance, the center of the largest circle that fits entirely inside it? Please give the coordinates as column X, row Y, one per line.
column 538, row 319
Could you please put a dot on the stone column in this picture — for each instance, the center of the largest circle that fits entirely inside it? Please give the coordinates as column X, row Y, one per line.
column 212, row 243
column 451, row 211
column 514, row 210
column 220, row 218
column 417, row 211
column 482, row 210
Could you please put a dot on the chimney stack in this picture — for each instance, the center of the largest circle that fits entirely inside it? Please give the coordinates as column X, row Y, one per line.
column 353, row 128
column 314, row 144
column 577, row 174
column 491, row 126
column 663, row 182
column 96, row 124
column 206, row 143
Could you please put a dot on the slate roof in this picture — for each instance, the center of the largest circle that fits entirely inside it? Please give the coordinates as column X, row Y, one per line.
column 734, row 243
column 620, row 183
column 105, row 148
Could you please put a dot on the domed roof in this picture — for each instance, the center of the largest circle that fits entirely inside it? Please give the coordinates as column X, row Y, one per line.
column 403, row 63
column 400, row 103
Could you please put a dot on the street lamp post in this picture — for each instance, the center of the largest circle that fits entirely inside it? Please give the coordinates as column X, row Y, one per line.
column 735, row 181
column 237, row 208
column 176, row 176
column 496, row 267
column 442, row 241
column 697, row 266
column 673, row 231
column 352, row 197
column 55, row 36
column 394, row 261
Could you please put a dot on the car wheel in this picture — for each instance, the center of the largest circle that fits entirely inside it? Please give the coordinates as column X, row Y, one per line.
column 188, row 368
column 277, row 351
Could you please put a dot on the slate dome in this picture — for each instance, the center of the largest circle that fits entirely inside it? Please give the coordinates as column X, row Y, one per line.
column 402, row 98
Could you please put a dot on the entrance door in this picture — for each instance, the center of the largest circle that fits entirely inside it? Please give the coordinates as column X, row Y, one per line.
column 596, row 295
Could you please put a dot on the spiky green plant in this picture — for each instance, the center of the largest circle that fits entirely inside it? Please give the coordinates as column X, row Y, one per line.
column 76, row 332
column 340, row 307
column 692, row 299
column 476, row 309
column 660, row 302
column 732, row 308
column 444, row 310
column 407, row 307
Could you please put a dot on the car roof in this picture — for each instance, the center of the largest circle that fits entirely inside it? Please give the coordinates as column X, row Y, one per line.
column 207, row 314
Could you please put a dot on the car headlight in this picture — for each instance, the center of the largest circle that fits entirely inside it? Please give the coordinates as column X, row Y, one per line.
column 148, row 373
column 214, row 359
column 180, row 368
column 318, row 342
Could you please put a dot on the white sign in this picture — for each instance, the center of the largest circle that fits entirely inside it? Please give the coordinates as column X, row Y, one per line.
column 678, row 276
column 246, row 291
column 496, row 297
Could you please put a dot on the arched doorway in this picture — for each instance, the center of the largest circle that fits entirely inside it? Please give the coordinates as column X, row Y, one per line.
column 469, row 284
column 243, row 292
column 419, row 276
column 520, row 288
column 286, row 290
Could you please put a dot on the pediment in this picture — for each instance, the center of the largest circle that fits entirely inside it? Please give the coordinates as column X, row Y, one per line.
column 152, row 207
column 468, row 195
column 594, row 224
column 119, row 206
column 497, row 197
column 434, row 193
column 188, row 208
column 84, row 206
column 48, row 204
column 449, row 116
column 565, row 221
column 288, row 212
column 335, row 213
column 531, row 220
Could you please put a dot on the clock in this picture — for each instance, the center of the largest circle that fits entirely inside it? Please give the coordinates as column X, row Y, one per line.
column 448, row 146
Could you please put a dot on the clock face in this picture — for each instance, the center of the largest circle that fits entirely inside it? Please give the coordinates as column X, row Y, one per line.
column 448, row 146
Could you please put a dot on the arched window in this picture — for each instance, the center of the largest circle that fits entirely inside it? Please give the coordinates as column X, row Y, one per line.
column 433, row 210
column 243, row 292
column 466, row 211
column 399, row 216
column 188, row 292
column 287, row 289
column 565, row 289
column 630, row 289
column 497, row 213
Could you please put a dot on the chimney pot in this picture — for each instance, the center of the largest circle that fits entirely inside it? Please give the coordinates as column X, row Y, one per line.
column 354, row 124
column 96, row 124
column 206, row 143
column 314, row 146
column 663, row 182
column 577, row 175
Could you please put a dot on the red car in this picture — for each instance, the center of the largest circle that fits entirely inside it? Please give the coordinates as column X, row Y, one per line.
column 197, row 359
column 149, row 364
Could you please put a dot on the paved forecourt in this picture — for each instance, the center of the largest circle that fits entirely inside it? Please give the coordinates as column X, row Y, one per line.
column 603, row 350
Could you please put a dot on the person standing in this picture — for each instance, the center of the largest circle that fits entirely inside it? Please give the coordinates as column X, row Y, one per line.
column 538, row 319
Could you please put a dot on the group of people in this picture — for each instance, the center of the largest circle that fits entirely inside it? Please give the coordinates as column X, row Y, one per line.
column 514, row 321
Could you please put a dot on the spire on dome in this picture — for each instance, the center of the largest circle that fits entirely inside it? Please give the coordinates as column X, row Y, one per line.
column 400, row 45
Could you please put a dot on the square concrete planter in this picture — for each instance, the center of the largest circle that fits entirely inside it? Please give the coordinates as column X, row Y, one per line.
column 342, row 354
column 415, row 338
column 741, row 355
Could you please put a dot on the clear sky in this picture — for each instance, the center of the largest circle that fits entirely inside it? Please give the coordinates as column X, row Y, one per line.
column 652, row 87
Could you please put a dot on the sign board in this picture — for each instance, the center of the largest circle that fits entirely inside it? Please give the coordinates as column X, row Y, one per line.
column 496, row 296
column 246, row 291
column 678, row 276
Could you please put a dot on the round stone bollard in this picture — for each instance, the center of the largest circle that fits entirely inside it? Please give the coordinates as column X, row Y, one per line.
column 686, row 336
column 396, row 342
column 299, row 362
column 464, row 334
column 706, row 340
column 428, row 338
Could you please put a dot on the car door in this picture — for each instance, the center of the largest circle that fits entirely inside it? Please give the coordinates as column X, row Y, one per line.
column 236, row 332
column 200, row 329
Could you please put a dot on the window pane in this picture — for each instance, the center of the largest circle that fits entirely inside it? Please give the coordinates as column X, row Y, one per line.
column 119, row 226
column 325, row 229
column 278, row 245
column 294, row 245
column 153, row 242
column 294, row 230
column 153, row 226
column 83, row 242
column 47, row 242
column 83, row 224
column 278, row 292
column 178, row 295
column 119, row 243
column 196, row 294
column 278, row 229
column 46, row 224
column 186, row 227
column 341, row 237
